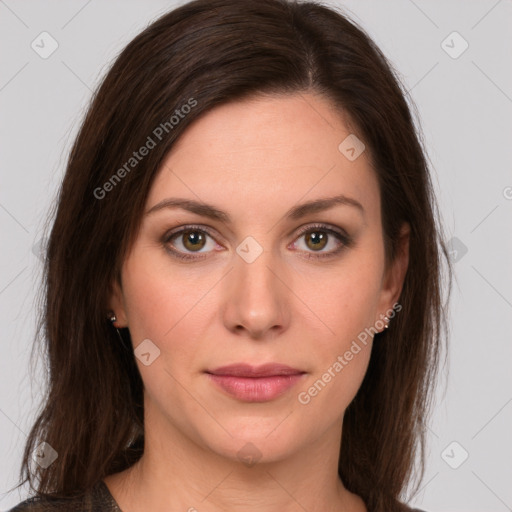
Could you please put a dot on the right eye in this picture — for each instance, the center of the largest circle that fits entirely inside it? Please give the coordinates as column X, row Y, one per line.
column 188, row 240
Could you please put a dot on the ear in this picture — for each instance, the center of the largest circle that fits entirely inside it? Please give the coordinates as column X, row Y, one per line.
column 394, row 277
column 116, row 304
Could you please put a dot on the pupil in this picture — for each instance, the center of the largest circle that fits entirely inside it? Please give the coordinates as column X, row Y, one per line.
column 193, row 238
column 316, row 237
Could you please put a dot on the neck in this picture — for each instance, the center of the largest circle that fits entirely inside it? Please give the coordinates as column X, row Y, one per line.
column 176, row 473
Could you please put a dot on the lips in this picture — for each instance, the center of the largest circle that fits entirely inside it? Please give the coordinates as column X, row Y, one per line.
column 246, row 370
column 255, row 383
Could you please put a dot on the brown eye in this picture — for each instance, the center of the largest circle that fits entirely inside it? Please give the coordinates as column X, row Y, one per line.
column 316, row 240
column 312, row 241
column 193, row 240
column 189, row 243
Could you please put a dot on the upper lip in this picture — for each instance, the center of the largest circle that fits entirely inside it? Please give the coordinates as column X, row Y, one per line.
column 247, row 370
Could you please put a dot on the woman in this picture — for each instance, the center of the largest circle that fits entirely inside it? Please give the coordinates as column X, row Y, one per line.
column 243, row 276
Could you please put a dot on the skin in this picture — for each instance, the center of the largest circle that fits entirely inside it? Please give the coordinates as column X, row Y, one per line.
column 255, row 160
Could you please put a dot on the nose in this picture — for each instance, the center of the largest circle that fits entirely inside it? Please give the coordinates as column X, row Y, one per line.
column 256, row 301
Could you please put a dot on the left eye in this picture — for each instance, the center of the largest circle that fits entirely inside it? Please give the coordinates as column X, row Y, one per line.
column 316, row 238
column 191, row 239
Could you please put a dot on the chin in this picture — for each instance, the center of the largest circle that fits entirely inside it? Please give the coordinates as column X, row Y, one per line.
column 252, row 444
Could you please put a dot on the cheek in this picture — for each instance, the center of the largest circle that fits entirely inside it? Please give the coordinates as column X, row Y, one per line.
column 347, row 306
column 345, row 300
column 148, row 304
column 169, row 308
column 341, row 361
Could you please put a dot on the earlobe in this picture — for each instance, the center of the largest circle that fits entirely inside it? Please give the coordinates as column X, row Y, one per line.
column 395, row 274
column 116, row 306
column 401, row 263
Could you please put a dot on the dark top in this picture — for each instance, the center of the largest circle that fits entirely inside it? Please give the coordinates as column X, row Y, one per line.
column 98, row 499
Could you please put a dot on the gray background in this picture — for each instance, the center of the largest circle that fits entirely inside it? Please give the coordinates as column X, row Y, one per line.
column 465, row 106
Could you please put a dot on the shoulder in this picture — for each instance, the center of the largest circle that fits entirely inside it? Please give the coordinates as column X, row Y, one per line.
column 38, row 504
column 95, row 500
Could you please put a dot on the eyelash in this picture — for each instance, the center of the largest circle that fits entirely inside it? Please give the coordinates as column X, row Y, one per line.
column 345, row 240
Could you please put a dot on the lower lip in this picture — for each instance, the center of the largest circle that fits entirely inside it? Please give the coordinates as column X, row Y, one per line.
column 255, row 389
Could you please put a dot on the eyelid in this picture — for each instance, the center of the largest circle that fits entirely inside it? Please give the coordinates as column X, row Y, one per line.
column 343, row 237
column 298, row 231
column 191, row 227
column 322, row 226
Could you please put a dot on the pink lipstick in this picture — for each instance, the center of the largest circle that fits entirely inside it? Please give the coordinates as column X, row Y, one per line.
column 255, row 383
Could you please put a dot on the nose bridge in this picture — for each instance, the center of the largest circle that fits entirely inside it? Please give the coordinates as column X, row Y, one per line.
column 258, row 294
column 255, row 268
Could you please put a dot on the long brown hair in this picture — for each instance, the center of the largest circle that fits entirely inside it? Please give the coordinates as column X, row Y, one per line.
column 200, row 55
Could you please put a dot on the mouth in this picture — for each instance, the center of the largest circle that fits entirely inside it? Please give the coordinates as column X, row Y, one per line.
column 255, row 383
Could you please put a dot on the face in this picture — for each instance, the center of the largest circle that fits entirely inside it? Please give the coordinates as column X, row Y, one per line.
column 258, row 279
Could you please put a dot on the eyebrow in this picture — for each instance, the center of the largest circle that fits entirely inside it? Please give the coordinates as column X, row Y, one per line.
column 294, row 213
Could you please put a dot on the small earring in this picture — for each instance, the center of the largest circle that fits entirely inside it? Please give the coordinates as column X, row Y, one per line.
column 112, row 317
column 386, row 325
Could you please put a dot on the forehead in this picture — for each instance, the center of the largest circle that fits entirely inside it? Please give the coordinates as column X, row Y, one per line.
column 266, row 154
